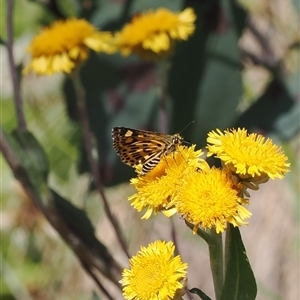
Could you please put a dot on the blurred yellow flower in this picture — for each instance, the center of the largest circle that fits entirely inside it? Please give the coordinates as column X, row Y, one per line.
column 208, row 198
column 154, row 274
column 60, row 47
column 153, row 33
column 157, row 187
column 248, row 155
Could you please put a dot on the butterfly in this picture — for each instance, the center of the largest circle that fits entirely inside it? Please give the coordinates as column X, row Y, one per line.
column 143, row 147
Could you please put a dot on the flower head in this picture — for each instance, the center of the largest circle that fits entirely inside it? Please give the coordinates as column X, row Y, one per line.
column 157, row 187
column 61, row 46
column 248, row 155
column 153, row 33
column 208, row 198
column 154, row 274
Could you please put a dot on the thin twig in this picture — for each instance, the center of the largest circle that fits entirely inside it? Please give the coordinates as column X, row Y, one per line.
column 261, row 38
column 268, row 59
column 13, row 72
column 87, row 138
column 99, row 284
column 257, row 60
column 276, row 68
column 44, row 203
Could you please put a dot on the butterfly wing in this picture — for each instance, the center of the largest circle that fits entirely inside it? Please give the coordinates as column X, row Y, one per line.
column 152, row 161
column 139, row 146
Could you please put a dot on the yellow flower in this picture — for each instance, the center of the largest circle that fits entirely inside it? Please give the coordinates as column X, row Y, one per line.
column 154, row 274
column 208, row 198
column 157, row 187
column 248, row 155
column 153, row 33
column 61, row 46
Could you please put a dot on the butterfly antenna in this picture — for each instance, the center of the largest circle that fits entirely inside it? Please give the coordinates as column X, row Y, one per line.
column 186, row 126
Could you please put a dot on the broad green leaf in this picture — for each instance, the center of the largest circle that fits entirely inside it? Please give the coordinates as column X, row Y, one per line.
column 31, row 154
column 78, row 221
column 239, row 282
column 275, row 111
column 205, row 79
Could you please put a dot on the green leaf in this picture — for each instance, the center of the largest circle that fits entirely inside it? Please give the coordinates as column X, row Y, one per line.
column 205, row 80
column 31, row 154
column 239, row 282
column 79, row 223
column 198, row 292
column 276, row 110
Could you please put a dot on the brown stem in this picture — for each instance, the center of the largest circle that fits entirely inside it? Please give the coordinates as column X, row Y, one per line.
column 44, row 203
column 268, row 59
column 257, row 60
column 101, row 287
column 87, row 138
column 262, row 39
column 13, row 71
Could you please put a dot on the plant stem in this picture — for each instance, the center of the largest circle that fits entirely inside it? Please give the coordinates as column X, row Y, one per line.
column 216, row 262
column 163, row 68
column 14, row 77
column 215, row 247
column 87, row 139
column 43, row 201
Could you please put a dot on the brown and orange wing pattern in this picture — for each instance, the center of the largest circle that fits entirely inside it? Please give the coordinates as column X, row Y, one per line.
column 142, row 147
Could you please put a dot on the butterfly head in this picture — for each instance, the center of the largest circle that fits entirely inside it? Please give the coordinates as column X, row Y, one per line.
column 177, row 139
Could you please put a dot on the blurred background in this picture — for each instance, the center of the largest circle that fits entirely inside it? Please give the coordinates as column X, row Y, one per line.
column 240, row 68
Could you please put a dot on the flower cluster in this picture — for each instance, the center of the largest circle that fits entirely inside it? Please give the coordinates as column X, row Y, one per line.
column 151, row 35
column 156, row 188
column 182, row 182
column 210, row 197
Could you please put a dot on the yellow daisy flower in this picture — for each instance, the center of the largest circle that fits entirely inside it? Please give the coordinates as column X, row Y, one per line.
column 248, row 155
column 208, row 198
column 157, row 187
column 154, row 274
column 61, row 46
column 153, row 33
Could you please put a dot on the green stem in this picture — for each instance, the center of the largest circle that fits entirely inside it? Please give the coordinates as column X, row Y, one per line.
column 215, row 247
column 216, row 262
column 13, row 71
column 226, row 247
